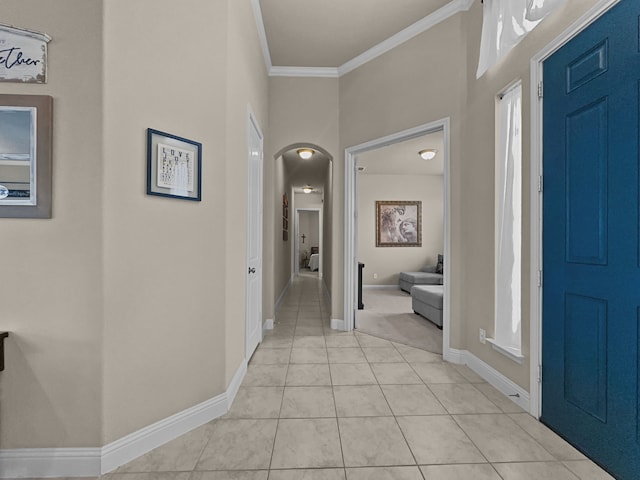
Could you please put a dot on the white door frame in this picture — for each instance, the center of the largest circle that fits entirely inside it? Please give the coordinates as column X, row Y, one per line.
column 297, row 233
column 350, row 222
column 536, row 69
column 252, row 123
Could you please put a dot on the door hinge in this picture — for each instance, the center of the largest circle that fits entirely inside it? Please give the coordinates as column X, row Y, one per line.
column 539, row 373
column 540, row 90
column 539, row 278
column 540, row 183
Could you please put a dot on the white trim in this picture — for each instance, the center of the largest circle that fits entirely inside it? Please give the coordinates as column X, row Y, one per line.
column 381, row 287
column 337, row 324
column 513, row 391
column 234, row 384
column 350, row 203
column 296, row 263
column 92, row 462
column 421, row 26
column 153, row 436
column 536, row 76
column 510, row 353
column 457, row 356
column 267, row 325
column 250, row 342
column 283, row 294
column 262, row 34
column 50, row 462
column 327, row 294
column 317, row 72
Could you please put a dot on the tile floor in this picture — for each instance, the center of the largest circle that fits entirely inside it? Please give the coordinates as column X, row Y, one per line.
column 317, row 404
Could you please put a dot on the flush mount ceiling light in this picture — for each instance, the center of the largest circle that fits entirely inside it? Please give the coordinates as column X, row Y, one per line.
column 305, row 153
column 427, row 153
column 307, row 189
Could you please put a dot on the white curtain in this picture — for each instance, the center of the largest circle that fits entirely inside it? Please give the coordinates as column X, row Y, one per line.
column 509, row 221
column 505, row 23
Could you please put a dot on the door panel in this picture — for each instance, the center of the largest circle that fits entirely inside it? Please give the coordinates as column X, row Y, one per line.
column 591, row 248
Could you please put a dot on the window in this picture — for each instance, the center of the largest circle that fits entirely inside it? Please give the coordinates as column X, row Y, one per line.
column 508, row 236
column 505, row 23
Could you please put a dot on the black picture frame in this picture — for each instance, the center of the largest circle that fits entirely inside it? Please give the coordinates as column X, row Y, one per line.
column 174, row 166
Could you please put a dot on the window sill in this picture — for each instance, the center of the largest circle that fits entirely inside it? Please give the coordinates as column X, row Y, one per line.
column 508, row 352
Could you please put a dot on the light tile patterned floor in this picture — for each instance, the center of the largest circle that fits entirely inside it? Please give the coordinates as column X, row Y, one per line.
column 317, row 404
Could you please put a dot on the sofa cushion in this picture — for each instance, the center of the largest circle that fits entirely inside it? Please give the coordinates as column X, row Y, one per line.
column 440, row 264
column 428, row 269
column 429, row 294
column 421, row 278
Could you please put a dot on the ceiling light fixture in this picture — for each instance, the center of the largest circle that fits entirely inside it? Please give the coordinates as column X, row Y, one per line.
column 305, row 153
column 427, row 153
column 307, row 189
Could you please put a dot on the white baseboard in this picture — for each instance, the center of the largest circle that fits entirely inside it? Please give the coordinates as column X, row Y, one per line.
column 327, row 294
column 50, row 462
column 381, row 287
column 513, row 391
column 282, row 295
column 92, row 462
column 267, row 325
column 337, row 324
column 146, row 439
column 454, row 356
column 234, row 385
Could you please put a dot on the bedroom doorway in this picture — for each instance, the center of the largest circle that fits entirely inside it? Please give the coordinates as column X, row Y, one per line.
column 385, row 263
column 308, row 245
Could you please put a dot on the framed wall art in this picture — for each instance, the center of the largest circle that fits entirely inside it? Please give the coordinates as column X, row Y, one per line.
column 25, row 156
column 398, row 224
column 285, row 218
column 173, row 166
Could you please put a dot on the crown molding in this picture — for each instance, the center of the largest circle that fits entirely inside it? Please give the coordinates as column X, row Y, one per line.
column 322, row 72
column 262, row 34
column 450, row 9
column 421, row 26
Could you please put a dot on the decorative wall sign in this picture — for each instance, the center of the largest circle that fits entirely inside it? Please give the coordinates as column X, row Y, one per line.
column 173, row 166
column 23, row 55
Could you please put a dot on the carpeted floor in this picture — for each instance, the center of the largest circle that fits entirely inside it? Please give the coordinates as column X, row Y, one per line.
column 388, row 314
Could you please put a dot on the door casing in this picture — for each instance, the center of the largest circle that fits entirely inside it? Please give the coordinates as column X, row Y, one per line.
column 350, row 224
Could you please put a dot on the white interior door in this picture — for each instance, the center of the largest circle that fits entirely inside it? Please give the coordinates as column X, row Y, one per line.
column 254, row 237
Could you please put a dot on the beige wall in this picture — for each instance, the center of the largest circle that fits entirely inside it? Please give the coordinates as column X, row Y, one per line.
column 139, row 300
column 51, row 295
column 388, row 262
column 477, row 177
column 421, row 81
column 163, row 257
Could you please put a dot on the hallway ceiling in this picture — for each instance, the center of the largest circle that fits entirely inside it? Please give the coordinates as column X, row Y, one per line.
column 329, row 33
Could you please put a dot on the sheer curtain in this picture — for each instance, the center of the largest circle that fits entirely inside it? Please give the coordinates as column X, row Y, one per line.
column 509, row 221
column 505, row 23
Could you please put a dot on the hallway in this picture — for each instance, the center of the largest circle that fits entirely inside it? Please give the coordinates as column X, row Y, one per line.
column 317, row 404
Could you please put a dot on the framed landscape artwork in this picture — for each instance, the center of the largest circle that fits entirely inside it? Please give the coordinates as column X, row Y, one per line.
column 398, row 224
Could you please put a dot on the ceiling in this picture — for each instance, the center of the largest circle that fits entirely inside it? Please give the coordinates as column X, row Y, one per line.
column 311, row 172
column 330, row 33
column 402, row 158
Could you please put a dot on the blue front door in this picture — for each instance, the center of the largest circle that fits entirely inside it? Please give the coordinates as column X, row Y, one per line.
column 591, row 267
